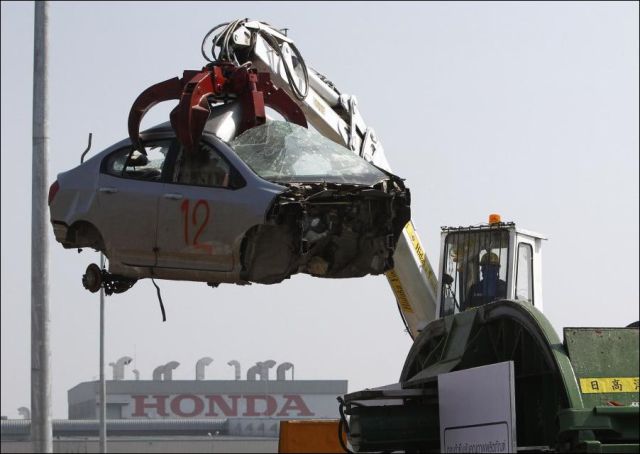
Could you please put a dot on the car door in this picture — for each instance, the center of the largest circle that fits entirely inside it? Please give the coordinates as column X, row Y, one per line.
column 203, row 212
column 129, row 188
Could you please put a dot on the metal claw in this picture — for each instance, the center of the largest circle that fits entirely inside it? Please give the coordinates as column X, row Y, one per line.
column 196, row 89
column 163, row 91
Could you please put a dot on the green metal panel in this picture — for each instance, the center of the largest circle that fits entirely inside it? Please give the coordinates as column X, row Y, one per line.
column 605, row 353
column 547, row 341
column 502, row 331
column 451, row 347
column 599, row 429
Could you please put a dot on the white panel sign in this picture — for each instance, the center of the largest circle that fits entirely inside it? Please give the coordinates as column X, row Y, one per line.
column 477, row 409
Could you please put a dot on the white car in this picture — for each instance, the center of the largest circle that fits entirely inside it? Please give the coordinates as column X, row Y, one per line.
column 278, row 200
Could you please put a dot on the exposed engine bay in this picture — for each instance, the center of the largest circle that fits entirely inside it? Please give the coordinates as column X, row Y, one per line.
column 328, row 230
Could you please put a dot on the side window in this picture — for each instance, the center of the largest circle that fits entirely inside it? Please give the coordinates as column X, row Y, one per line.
column 524, row 273
column 204, row 167
column 129, row 163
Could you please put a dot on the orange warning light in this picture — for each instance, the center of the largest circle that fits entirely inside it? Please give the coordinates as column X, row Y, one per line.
column 494, row 218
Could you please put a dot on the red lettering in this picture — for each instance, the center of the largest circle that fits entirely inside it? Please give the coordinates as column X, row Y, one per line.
column 198, row 406
column 184, row 207
column 203, row 203
column 256, row 405
column 140, row 405
column 222, row 405
column 270, row 403
column 294, row 403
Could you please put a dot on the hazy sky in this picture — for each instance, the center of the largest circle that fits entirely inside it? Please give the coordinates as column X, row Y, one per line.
column 527, row 109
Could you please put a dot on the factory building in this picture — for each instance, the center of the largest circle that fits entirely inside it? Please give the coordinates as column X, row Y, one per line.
column 162, row 397
column 243, row 415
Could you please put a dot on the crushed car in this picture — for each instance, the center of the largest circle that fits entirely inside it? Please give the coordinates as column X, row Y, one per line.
column 277, row 200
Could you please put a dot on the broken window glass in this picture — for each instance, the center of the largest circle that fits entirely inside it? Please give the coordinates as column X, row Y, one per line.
column 285, row 152
column 133, row 164
column 205, row 167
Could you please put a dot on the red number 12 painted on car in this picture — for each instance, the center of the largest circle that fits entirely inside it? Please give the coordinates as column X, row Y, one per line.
column 184, row 207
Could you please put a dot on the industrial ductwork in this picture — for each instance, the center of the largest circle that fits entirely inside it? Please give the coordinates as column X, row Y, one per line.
column 252, row 372
column 236, row 366
column 165, row 372
column 262, row 369
column 200, row 365
column 282, row 368
column 24, row 412
column 136, row 373
column 118, row 367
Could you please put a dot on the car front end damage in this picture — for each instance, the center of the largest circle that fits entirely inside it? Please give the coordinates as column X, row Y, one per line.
column 331, row 230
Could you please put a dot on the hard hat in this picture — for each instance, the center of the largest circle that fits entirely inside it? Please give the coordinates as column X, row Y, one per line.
column 490, row 259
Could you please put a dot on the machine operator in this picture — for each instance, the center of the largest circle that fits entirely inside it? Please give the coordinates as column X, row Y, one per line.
column 490, row 287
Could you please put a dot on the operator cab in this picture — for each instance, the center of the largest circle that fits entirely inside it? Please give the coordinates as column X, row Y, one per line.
column 485, row 263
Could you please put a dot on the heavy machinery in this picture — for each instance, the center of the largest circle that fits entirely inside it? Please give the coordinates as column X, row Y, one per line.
column 579, row 394
column 575, row 394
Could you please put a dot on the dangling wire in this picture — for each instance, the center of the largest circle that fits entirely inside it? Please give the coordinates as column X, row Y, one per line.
column 164, row 316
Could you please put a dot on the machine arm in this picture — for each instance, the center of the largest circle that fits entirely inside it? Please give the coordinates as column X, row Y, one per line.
column 337, row 117
column 333, row 114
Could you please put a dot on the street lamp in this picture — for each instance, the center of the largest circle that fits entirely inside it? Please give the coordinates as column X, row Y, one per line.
column 103, row 385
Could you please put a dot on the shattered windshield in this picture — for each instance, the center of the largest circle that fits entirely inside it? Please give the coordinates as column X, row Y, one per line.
column 285, row 152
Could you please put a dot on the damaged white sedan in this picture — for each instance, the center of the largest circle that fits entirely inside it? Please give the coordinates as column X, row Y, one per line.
column 277, row 200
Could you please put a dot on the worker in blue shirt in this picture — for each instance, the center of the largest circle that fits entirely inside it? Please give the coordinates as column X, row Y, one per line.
column 490, row 287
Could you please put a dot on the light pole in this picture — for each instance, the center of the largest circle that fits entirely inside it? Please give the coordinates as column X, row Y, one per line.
column 103, row 384
column 41, row 424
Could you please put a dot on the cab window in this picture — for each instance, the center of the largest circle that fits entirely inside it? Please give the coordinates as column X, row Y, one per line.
column 524, row 273
column 475, row 269
column 131, row 163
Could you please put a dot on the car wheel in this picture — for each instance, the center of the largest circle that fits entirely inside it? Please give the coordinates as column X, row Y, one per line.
column 92, row 278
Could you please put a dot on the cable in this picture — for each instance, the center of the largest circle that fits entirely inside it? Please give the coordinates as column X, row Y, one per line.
column 164, row 316
column 228, row 34
column 205, row 39
column 223, row 40
column 271, row 40
column 343, row 423
column 404, row 320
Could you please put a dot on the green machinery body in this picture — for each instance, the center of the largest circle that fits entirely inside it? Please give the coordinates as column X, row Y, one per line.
column 577, row 395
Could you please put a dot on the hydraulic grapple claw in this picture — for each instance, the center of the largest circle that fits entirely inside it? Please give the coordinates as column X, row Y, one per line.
column 163, row 91
column 197, row 90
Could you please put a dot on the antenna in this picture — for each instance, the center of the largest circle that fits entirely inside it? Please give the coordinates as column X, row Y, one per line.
column 88, row 148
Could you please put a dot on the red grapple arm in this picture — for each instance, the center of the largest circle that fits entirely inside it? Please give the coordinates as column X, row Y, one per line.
column 190, row 90
column 196, row 89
